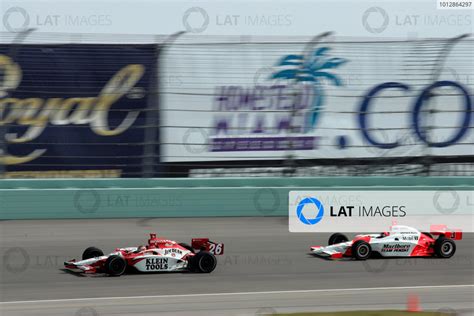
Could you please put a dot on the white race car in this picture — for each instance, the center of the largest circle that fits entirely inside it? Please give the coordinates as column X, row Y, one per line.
column 159, row 255
column 400, row 241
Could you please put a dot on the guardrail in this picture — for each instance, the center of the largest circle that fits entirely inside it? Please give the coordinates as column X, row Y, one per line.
column 128, row 198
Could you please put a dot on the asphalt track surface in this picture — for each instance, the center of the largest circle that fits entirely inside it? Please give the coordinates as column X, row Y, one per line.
column 264, row 269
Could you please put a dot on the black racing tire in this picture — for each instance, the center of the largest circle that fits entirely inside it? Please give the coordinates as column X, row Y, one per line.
column 444, row 247
column 187, row 246
column 337, row 238
column 91, row 252
column 203, row 262
column 115, row 265
column 361, row 250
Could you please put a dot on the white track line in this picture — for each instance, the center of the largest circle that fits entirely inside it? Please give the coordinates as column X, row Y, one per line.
column 245, row 293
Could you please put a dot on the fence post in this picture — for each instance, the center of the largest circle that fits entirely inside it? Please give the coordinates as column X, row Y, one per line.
column 152, row 120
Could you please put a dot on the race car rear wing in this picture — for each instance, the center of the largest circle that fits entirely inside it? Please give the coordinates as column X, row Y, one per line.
column 196, row 243
column 207, row 245
column 443, row 230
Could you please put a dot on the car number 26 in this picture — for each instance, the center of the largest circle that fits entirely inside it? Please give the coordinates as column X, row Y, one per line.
column 217, row 249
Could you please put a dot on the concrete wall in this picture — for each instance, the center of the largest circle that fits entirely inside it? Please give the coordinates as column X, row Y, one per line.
column 122, row 198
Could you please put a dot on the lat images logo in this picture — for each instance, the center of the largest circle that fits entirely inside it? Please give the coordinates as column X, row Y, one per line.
column 301, row 215
column 14, row 14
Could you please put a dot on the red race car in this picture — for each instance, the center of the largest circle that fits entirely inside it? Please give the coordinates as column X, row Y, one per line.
column 400, row 241
column 159, row 255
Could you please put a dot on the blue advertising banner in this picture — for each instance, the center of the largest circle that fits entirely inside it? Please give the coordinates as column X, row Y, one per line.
column 74, row 110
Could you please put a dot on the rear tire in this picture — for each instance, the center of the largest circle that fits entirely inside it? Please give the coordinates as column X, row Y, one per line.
column 337, row 238
column 115, row 265
column 91, row 252
column 444, row 247
column 361, row 250
column 188, row 247
column 203, row 262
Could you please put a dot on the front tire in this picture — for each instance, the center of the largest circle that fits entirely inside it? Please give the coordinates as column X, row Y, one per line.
column 203, row 262
column 91, row 252
column 337, row 238
column 444, row 247
column 115, row 265
column 361, row 250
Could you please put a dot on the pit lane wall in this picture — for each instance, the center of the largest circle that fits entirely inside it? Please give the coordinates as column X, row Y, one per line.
column 125, row 198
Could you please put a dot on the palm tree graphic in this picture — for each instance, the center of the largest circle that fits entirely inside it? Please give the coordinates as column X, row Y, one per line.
column 313, row 69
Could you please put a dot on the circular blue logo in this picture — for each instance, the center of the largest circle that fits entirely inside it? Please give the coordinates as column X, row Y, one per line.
column 310, row 221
